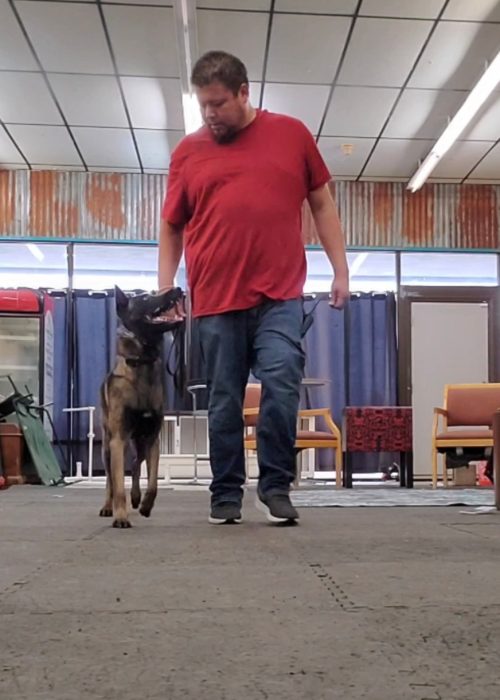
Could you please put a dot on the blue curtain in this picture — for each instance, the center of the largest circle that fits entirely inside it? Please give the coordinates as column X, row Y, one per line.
column 324, row 345
column 355, row 351
column 95, row 340
column 372, row 350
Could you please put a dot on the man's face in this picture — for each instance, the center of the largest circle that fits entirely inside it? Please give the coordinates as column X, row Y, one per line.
column 223, row 112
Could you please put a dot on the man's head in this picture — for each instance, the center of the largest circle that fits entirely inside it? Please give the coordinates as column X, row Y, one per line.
column 221, row 85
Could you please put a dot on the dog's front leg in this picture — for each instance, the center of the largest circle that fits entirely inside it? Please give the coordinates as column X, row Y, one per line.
column 117, row 447
column 107, row 509
column 152, row 461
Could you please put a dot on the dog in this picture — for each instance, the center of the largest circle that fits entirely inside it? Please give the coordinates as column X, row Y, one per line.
column 132, row 398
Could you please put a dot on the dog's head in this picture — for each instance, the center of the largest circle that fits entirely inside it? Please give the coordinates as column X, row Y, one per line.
column 147, row 315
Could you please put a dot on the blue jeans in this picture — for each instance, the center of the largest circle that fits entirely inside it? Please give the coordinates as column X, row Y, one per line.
column 265, row 339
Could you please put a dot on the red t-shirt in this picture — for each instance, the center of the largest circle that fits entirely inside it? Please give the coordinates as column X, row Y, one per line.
column 241, row 204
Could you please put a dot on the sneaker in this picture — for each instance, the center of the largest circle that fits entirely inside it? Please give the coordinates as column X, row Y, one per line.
column 277, row 509
column 225, row 513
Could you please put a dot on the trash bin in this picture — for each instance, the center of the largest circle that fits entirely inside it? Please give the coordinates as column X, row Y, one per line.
column 12, row 448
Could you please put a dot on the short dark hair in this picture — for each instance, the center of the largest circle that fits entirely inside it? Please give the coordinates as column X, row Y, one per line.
column 222, row 67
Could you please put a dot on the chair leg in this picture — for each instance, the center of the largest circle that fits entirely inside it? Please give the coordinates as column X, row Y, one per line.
column 338, row 467
column 445, row 471
column 434, row 467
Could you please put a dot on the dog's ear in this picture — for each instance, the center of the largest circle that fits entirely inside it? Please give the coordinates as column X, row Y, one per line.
column 121, row 300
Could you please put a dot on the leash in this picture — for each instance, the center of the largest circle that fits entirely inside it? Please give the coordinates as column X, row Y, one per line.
column 178, row 371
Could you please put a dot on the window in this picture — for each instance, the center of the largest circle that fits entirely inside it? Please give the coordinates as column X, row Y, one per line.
column 368, row 271
column 449, row 269
column 33, row 265
column 101, row 266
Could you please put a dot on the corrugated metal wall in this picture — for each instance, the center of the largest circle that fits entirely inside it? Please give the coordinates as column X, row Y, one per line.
column 126, row 207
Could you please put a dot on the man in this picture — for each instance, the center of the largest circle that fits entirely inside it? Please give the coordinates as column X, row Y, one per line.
column 234, row 198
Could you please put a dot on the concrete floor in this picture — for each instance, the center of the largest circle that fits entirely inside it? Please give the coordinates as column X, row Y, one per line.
column 383, row 604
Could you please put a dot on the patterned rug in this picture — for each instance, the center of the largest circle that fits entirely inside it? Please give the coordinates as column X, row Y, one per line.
column 384, row 497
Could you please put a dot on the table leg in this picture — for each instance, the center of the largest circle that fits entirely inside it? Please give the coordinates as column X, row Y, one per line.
column 347, row 469
column 409, row 469
column 402, row 469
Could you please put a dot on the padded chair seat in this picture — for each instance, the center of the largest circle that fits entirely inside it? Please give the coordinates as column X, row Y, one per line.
column 315, row 435
column 478, row 434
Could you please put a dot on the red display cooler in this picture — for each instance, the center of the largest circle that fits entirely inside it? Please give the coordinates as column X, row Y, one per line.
column 27, row 343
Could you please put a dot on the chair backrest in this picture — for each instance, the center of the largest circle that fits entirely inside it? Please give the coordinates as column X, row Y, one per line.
column 471, row 404
column 252, row 400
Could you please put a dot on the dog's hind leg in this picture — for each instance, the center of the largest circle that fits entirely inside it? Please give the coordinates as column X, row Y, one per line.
column 135, row 493
column 152, row 461
column 117, row 447
column 107, row 509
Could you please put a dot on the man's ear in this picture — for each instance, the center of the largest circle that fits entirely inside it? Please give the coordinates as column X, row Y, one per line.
column 121, row 300
column 244, row 91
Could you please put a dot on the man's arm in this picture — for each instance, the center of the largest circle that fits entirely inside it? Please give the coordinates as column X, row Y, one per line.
column 169, row 253
column 330, row 234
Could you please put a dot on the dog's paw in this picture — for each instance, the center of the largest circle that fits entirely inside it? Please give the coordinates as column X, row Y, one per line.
column 135, row 500
column 106, row 512
column 147, row 505
column 121, row 523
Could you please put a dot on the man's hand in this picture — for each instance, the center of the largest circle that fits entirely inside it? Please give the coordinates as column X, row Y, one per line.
column 340, row 292
column 177, row 312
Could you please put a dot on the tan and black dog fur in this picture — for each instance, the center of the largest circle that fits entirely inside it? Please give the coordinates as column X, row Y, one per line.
column 132, row 400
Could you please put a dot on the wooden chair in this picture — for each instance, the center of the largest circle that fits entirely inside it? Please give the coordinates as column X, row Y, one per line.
column 471, row 408
column 305, row 440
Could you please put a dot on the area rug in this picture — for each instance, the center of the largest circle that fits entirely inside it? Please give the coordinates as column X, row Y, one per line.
column 382, row 498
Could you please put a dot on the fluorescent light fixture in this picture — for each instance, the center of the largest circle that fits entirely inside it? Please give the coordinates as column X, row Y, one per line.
column 475, row 100
column 192, row 113
column 35, row 251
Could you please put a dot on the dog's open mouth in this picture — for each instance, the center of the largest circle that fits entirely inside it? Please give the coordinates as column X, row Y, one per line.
column 170, row 312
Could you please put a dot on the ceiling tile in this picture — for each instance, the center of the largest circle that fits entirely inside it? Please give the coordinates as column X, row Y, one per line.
column 8, row 152
column 489, row 168
column 461, row 157
column 304, row 102
column 154, row 103
column 58, row 166
column 255, row 91
column 165, row 3
column 468, row 47
column 46, row 144
column 11, row 166
column 263, row 5
column 479, row 10
column 342, row 7
column 143, row 40
column 66, row 36
column 103, row 169
column 109, row 147
column 356, row 111
column 423, row 9
column 397, row 158
column 14, row 50
column 486, row 125
column 25, row 98
column 156, row 147
column 240, row 33
column 423, row 113
column 306, row 48
column 340, row 164
column 382, row 51
column 89, row 100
